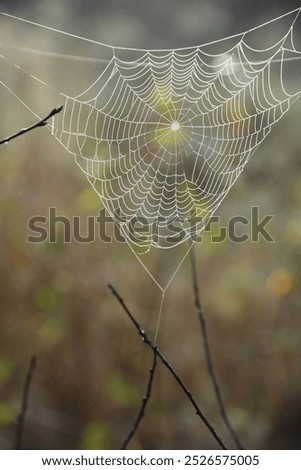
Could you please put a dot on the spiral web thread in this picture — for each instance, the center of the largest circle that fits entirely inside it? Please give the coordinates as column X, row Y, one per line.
column 162, row 135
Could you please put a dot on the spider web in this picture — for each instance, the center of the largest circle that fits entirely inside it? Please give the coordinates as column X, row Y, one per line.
column 162, row 135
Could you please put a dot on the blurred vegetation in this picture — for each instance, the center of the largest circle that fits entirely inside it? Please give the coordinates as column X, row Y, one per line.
column 92, row 367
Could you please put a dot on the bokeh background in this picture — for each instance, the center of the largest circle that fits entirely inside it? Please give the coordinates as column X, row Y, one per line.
column 55, row 303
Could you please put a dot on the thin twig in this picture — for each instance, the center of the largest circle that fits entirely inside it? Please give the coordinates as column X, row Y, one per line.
column 207, row 352
column 164, row 361
column 144, row 403
column 41, row 123
column 24, row 405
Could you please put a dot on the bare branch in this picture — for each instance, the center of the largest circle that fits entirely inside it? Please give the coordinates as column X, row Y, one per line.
column 144, row 403
column 24, row 405
column 41, row 123
column 207, row 352
column 164, row 361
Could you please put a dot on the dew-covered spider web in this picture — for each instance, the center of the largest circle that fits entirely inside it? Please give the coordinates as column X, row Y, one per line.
column 162, row 135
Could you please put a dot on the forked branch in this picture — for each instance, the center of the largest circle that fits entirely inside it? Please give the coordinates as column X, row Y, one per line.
column 164, row 361
column 43, row 122
column 207, row 352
